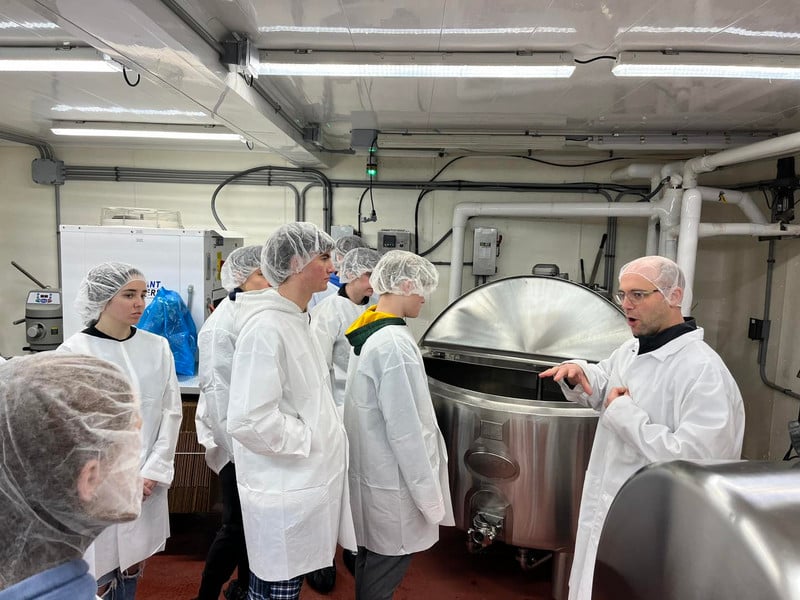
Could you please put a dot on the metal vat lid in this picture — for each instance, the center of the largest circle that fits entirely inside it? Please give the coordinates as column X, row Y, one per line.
column 530, row 319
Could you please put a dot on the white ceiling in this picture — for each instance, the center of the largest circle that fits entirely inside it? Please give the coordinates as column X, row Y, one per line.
column 175, row 46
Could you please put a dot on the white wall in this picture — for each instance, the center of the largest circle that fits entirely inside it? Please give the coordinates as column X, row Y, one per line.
column 729, row 280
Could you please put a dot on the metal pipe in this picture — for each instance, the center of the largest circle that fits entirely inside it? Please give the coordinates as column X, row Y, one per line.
column 753, row 229
column 687, row 243
column 637, row 171
column 743, row 200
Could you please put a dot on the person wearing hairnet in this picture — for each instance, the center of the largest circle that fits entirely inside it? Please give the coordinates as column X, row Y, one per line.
column 663, row 395
column 398, row 481
column 241, row 273
column 289, row 445
column 69, row 429
column 342, row 246
column 110, row 301
column 329, row 320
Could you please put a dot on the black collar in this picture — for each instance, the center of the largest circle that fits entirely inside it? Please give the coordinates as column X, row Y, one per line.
column 95, row 332
column 232, row 295
column 648, row 343
column 343, row 293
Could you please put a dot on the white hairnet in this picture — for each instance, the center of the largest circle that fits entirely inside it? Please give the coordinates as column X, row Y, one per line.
column 357, row 262
column 240, row 264
column 663, row 273
column 343, row 245
column 100, row 285
column 58, row 412
column 404, row 273
column 291, row 248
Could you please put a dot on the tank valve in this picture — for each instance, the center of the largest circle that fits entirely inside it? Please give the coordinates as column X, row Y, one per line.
column 485, row 528
column 530, row 559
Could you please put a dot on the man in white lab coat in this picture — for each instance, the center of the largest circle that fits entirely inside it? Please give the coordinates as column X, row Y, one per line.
column 241, row 273
column 343, row 246
column 398, row 460
column 289, row 444
column 663, row 395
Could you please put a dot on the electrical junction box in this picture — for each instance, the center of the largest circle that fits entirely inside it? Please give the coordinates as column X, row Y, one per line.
column 484, row 251
column 394, row 239
column 187, row 261
column 43, row 324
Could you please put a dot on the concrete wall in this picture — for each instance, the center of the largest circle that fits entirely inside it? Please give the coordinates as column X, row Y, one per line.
column 730, row 272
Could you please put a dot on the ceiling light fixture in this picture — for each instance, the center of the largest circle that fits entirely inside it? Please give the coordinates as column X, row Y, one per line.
column 66, row 59
column 470, row 141
column 416, row 64
column 699, row 64
column 669, row 142
column 147, row 131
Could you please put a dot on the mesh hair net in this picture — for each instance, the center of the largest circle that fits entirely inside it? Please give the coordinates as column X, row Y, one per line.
column 291, row 248
column 663, row 273
column 343, row 245
column 404, row 273
column 100, row 285
column 240, row 264
column 357, row 262
column 58, row 412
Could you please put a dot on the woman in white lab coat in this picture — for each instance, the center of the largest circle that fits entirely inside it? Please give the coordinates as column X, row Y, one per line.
column 110, row 301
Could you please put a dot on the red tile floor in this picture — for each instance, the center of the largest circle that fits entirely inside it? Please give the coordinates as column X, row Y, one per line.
column 445, row 572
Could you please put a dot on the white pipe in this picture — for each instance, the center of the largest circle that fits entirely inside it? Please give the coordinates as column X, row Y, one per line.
column 752, row 229
column 651, row 247
column 636, row 171
column 668, row 241
column 785, row 144
column 687, row 243
column 463, row 211
column 743, row 200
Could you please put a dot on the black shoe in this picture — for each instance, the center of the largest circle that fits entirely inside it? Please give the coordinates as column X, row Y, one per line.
column 235, row 591
column 322, row 580
column 349, row 560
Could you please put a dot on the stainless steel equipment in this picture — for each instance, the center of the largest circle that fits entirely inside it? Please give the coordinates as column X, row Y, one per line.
column 43, row 320
column 517, row 450
column 703, row 531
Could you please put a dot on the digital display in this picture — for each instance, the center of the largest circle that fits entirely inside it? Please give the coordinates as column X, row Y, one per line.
column 44, row 298
column 389, row 241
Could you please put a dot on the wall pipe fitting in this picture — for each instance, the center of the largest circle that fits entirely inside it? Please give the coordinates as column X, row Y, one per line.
column 743, row 200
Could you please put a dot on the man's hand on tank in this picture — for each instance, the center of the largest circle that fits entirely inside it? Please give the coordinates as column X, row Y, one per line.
column 572, row 373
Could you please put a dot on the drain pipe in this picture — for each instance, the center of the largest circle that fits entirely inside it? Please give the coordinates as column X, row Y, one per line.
column 687, row 243
column 466, row 210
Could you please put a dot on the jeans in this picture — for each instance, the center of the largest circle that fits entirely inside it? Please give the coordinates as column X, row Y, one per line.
column 228, row 549
column 120, row 585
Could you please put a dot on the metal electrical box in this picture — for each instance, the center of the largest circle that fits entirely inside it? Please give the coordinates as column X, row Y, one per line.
column 484, row 251
column 187, row 261
column 394, row 239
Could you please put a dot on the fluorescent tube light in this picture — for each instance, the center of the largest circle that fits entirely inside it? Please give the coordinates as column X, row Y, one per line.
column 415, row 64
column 469, row 141
column 147, row 131
column 698, row 64
column 82, row 60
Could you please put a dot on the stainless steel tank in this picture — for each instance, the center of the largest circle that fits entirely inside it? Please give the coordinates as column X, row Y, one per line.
column 517, row 450
column 703, row 531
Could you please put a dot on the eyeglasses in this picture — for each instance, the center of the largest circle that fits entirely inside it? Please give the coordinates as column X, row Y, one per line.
column 635, row 296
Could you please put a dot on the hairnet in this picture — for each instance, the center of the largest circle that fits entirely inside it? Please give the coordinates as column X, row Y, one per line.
column 343, row 245
column 240, row 264
column 404, row 273
column 291, row 248
column 100, row 285
column 59, row 411
column 663, row 273
column 357, row 262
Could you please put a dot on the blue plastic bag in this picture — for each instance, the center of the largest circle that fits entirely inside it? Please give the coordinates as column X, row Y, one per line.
column 168, row 316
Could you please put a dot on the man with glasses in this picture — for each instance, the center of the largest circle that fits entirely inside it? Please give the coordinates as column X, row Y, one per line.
column 663, row 395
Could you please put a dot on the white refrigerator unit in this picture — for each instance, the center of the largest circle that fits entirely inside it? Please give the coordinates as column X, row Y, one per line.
column 187, row 261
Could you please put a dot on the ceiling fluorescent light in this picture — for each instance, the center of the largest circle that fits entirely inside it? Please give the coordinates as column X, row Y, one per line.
column 668, row 142
column 416, row 64
column 147, row 131
column 469, row 141
column 700, row 64
column 67, row 59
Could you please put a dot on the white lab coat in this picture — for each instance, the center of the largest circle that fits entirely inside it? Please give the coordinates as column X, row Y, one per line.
column 329, row 321
column 399, row 490
column 215, row 344
column 683, row 404
column 147, row 360
column 289, row 444
column 318, row 297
